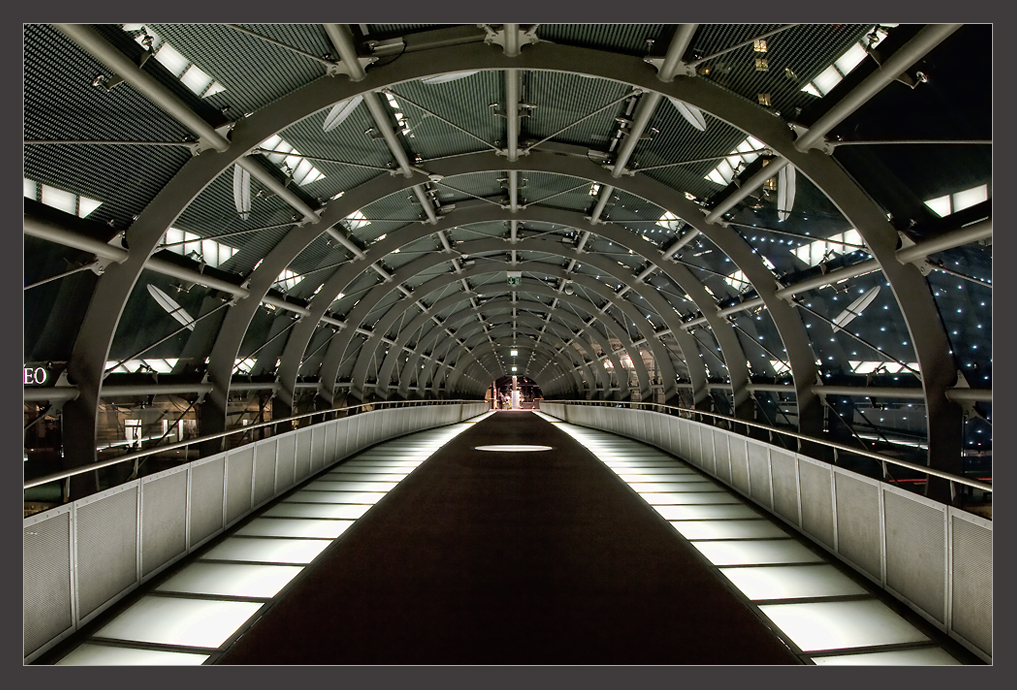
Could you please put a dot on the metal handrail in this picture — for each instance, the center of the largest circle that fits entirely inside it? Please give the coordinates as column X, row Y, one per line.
column 67, row 474
column 811, row 439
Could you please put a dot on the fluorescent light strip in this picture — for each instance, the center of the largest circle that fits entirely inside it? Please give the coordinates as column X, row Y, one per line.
column 769, row 566
column 256, row 561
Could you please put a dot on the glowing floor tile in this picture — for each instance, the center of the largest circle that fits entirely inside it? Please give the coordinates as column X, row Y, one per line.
column 923, row 656
column 363, row 477
column 683, row 488
column 653, row 471
column 841, row 624
column 792, row 582
column 728, row 529
column 328, row 511
column 726, row 512
column 298, row 551
column 676, row 477
column 380, row 463
column 187, row 622
column 231, row 579
column 675, row 480
column 302, row 529
column 326, row 485
column 89, row 654
column 657, row 487
column 756, row 552
column 648, row 465
column 362, row 497
column 687, row 498
column 343, row 471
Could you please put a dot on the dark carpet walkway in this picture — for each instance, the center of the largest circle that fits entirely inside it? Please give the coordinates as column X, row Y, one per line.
column 510, row 558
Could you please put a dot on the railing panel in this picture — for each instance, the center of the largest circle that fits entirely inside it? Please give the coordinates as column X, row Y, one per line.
column 738, row 452
column 722, row 457
column 286, row 452
column 81, row 558
column 163, row 519
column 971, row 578
column 858, row 522
column 207, row 488
column 239, row 483
column 709, row 463
column 318, row 436
column 815, row 480
column 47, row 605
column 106, row 548
column 916, row 546
column 302, row 455
column 759, row 473
column 935, row 558
column 784, row 478
column 330, row 436
column 264, row 470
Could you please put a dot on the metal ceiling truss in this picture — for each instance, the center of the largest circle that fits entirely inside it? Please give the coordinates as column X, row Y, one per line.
column 808, row 155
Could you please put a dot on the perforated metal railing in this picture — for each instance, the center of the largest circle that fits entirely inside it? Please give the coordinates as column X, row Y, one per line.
column 82, row 557
column 934, row 558
column 237, row 435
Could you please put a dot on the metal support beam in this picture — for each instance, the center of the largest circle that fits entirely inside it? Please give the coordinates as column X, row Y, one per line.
column 512, row 111
column 342, row 39
column 910, row 53
column 673, row 63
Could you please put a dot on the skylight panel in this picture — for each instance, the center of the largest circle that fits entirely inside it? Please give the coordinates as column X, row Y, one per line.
column 213, row 253
column 958, row 201
column 827, row 79
column 195, row 79
column 59, row 199
column 192, row 76
column 287, row 280
column 854, row 56
column 816, row 252
column 851, row 59
column 780, row 367
column 172, row 60
column 69, row 202
column 669, row 221
column 357, row 220
column 740, row 156
column 291, row 161
column 870, row 367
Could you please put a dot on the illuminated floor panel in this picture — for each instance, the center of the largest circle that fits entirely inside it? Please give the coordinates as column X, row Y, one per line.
column 302, row 529
column 759, row 552
column 728, row 529
column 841, row 624
column 361, row 497
column 333, row 511
column 175, row 621
column 363, row 477
column 721, row 512
column 923, row 656
column 231, row 579
column 686, row 498
column 325, row 485
column 296, row 551
column 792, row 582
column 102, row 655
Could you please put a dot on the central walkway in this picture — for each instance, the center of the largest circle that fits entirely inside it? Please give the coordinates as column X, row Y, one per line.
column 504, row 557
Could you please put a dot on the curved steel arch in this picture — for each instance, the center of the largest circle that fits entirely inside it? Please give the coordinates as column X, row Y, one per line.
column 616, row 329
column 415, row 325
column 660, row 354
column 570, row 321
column 908, row 285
